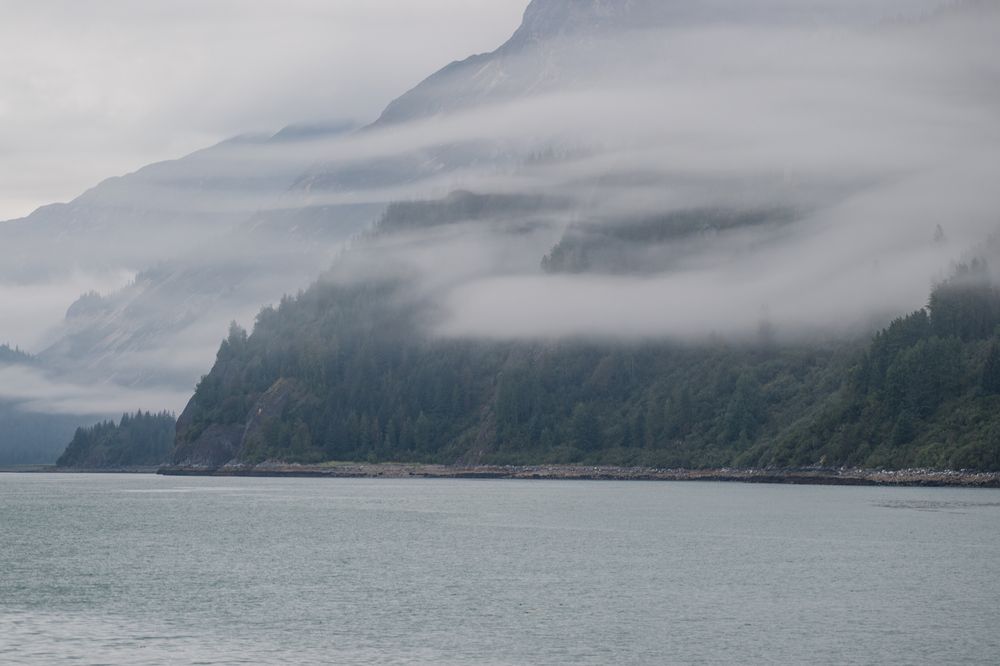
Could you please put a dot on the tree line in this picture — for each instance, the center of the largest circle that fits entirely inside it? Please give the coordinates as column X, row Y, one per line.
column 361, row 383
column 140, row 439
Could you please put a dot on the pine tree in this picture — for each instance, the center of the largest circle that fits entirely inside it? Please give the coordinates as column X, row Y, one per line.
column 905, row 429
column 991, row 371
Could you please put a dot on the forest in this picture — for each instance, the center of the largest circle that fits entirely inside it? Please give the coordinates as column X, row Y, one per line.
column 10, row 354
column 343, row 372
column 142, row 439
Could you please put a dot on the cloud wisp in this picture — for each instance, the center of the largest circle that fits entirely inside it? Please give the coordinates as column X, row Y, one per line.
column 97, row 89
column 872, row 137
column 858, row 138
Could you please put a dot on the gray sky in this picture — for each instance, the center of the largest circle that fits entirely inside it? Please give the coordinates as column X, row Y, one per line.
column 96, row 88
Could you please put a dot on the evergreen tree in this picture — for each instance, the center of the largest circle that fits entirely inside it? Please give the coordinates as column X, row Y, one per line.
column 367, row 385
column 991, row 371
column 905, row 428
column 142, row 439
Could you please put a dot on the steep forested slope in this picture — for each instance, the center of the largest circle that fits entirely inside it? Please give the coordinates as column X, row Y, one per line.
column 927, row 391
column 342, row 373
column 349, row 371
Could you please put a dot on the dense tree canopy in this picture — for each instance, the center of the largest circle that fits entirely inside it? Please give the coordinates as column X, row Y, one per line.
column 341, row 373
column 9, row 355
column 142, row 439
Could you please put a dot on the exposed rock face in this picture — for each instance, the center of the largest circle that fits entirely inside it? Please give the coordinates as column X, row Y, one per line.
column 218, row 444
column 556, row 36
column 268, row 410
column 545, row 19
column 512, row 69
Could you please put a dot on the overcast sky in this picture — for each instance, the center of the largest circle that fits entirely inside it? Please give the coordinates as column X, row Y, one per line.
column 96, row 88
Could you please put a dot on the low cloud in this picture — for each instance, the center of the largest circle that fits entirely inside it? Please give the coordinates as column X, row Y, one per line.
column 32, row 309
column 98, row 89
column 872, row 138
column 33, row 391
column 863, row 138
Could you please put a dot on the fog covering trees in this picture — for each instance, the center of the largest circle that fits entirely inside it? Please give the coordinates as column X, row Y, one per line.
column 346, row 372
column 752, row 177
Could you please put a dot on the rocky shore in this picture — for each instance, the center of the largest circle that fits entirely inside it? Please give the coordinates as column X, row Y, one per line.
column 808, row 476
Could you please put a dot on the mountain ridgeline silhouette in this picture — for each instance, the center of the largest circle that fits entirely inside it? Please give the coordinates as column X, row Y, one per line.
column 387, row 357
column 655, row 232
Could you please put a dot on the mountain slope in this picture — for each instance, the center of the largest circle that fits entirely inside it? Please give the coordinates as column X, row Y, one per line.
column 681, row 242
column 192, row 233
column 351, row 370
column 545, row 50
column 332, row 376
column 685, row 162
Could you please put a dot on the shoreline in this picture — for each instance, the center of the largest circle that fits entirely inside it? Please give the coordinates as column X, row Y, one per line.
column 808, row 476
column 926, row 478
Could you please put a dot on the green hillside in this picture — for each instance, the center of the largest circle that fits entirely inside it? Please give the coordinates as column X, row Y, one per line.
column 342, row 373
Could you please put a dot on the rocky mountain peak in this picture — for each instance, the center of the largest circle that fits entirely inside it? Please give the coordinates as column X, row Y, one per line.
column 544, row 19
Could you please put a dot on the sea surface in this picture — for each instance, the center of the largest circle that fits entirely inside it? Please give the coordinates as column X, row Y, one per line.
column 102, row 569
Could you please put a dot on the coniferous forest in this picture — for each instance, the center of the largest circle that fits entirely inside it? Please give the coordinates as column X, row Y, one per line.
column 343, row 373
column 142, row 439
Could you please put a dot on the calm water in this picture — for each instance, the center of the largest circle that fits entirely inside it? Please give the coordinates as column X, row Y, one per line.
column 153, row 570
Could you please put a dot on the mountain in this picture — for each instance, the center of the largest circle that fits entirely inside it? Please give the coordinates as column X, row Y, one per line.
column 605, row 294
column 615, row 173
column 207, row 239
column 342, row 373
column 556, row 37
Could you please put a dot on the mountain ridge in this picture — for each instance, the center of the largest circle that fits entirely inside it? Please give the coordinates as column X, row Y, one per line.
column 532, row 61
